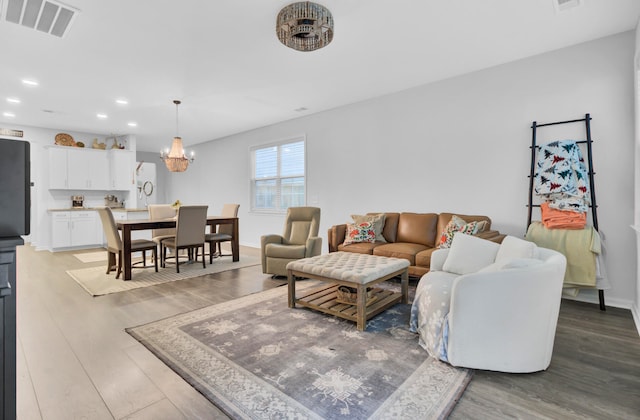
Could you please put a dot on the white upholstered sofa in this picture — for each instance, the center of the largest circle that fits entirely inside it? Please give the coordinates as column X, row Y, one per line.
column 490, row 306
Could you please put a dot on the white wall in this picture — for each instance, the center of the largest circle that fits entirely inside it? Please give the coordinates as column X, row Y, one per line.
column 459, row 145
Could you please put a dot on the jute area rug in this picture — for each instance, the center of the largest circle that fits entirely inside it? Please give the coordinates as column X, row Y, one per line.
column 96, row 282
column 89, row 257
column 255, row 358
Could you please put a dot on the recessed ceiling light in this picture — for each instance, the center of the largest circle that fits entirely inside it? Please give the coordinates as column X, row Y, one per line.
column 30, row 82
column 122, row 101
column 13, row 100
column 301, row 109
column 101, row 116
column 132, row 124
column 9, row 114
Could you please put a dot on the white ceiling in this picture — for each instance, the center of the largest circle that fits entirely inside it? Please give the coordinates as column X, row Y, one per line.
column 223, row 60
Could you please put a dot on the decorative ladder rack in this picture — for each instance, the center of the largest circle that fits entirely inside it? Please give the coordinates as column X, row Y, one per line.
column 534, row 148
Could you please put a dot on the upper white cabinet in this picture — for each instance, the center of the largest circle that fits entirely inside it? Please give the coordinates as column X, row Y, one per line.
column 58, row 177
column 121, row 169
column 89, row 169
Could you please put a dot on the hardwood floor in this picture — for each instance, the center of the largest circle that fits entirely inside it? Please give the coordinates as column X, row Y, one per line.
column 76, row 361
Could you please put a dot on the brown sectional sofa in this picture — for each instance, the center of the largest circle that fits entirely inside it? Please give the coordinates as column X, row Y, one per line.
column 412, row 236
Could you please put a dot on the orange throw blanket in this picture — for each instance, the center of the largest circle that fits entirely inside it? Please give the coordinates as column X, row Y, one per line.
column 562, row 219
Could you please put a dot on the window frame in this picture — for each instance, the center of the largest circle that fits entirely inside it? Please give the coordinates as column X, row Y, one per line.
column 278, row 178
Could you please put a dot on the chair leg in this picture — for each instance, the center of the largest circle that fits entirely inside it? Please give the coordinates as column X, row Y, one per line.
column 111, row 261
column 119, row 264
column 154, row 253
column 155, row 258
column 203, row 263
column 177, row 262
column 144, row 258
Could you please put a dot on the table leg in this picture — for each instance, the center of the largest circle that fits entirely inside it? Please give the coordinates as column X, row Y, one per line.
column 291, row 289
column 405, row 286
column 126, row 251
column 361, row 306
column 235, row 243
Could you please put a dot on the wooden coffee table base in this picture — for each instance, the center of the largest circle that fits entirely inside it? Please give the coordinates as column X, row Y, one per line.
column 323, row 298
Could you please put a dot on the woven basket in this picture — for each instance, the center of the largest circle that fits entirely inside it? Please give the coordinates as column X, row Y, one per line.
column 349, row 295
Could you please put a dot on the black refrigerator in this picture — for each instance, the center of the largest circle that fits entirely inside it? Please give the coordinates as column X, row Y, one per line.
column 15, row 210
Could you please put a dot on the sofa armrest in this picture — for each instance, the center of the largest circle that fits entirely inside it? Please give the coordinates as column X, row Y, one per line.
column 505, row 320
column 314, row 247
column 336, row 236
column 491, row 235
column 438, row 257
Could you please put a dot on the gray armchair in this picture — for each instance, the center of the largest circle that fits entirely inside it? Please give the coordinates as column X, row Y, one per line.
column 299, row 240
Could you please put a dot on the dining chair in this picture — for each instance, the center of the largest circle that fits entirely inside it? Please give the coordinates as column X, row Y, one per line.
column 190, row 230
column 114, row 244
column 161, row 211
column 223, row 234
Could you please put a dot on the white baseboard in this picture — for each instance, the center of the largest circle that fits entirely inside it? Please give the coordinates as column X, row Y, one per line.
column 636, row 317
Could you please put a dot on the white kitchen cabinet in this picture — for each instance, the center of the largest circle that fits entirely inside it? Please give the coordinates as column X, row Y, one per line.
column 75, row 229
column 73, row 168
column 60, row 229
column 87, row 169
column 121, row 169
column 58, row 177
column 84, row 228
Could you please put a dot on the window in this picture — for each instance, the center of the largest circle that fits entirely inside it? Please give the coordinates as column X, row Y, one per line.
column 278, row 178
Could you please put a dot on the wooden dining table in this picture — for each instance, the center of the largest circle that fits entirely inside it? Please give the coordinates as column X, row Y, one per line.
column 128, row 226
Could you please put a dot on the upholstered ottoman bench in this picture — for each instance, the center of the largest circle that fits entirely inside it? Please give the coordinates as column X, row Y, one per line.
column 358, row 271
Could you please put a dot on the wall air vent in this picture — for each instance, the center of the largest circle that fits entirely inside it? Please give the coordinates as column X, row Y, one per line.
column 47, row 16
column 562, row 5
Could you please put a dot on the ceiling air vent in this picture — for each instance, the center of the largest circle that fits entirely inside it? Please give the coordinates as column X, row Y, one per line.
column 562, row 5
column 47, row 16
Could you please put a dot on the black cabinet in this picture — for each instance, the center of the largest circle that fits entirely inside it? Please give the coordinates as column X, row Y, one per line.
column 8, row 290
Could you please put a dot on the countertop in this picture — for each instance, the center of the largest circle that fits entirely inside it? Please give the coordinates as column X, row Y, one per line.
column 114, row 209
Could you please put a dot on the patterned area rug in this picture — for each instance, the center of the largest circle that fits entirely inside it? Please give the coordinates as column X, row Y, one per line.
column 255, row 358
column 96, row 282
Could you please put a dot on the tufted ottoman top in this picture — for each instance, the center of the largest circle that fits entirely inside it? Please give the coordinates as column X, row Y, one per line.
column 349, row 266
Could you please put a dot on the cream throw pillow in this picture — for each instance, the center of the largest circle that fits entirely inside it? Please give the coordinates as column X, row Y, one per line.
column 516, row 263
column 521, row 263
column 513, row 247
column 469, row 254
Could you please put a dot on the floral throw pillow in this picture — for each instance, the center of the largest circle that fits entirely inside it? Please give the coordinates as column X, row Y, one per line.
column 456, row 225
column 359, row 232
column 377, row 222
